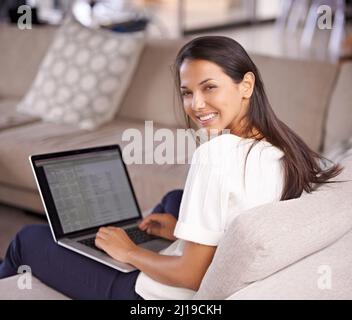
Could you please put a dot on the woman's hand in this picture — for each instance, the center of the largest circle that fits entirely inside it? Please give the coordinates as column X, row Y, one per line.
column 159, row 224
column 115, row 242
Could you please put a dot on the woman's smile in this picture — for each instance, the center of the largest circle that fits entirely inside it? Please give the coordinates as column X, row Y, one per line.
column 207, row 118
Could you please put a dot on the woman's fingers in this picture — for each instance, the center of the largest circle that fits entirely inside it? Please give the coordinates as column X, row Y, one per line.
column 153, row 217
column 103, row 233
column 104, row 229
column 145, row 222
column 152, row 224
column 99, row 242
column 154, row 229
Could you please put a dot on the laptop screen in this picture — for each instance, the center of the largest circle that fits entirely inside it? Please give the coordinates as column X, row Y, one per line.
column 89, row 189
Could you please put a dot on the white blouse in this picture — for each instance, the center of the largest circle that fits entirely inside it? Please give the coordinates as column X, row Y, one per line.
column 218, row 188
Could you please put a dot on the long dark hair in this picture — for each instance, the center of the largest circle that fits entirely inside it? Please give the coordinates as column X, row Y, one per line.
column 303, row 168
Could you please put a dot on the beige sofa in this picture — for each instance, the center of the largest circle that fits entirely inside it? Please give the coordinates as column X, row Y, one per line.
column 313, row 98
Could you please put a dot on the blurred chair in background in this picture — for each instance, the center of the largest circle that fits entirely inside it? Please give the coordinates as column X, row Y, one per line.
column 293, row 13
column 306, row 14
column 338, row 10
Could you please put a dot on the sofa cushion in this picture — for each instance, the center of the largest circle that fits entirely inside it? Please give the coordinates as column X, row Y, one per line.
column 84, row 75
column 8, row 105
column 152, row 94
column 269, row 238
column 339, row 118
column 10, row 117
column 42, row 137
column 9, row 290
column 21, row 54
column 299, row 92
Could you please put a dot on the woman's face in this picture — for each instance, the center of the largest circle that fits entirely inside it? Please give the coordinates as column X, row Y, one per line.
column 211, row 98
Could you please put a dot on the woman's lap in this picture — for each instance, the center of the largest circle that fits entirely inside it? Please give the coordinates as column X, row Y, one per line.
column 74, row 275
column 64, row 270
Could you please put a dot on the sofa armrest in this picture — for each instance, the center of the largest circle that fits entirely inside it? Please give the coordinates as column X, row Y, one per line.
column 325, row 275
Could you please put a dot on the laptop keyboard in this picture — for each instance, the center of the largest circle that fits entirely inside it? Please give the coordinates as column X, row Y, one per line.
column 137, row 236
column 90, row 242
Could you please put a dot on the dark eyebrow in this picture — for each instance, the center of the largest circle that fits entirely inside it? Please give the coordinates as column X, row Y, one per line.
column 200, row 83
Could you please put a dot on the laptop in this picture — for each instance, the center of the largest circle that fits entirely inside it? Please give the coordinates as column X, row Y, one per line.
column 83, row 190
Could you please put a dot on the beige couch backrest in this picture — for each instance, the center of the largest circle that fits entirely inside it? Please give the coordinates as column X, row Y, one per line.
column 21, row 52
column 152, row 94
column 299, row 92
column 339, row 118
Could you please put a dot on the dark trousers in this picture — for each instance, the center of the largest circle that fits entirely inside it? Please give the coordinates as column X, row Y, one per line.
column 72, row 274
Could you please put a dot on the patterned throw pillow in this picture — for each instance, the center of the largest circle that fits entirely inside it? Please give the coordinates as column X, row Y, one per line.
column 83, row 76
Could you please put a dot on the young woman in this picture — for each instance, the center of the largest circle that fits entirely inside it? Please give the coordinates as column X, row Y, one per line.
column 259, row 161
